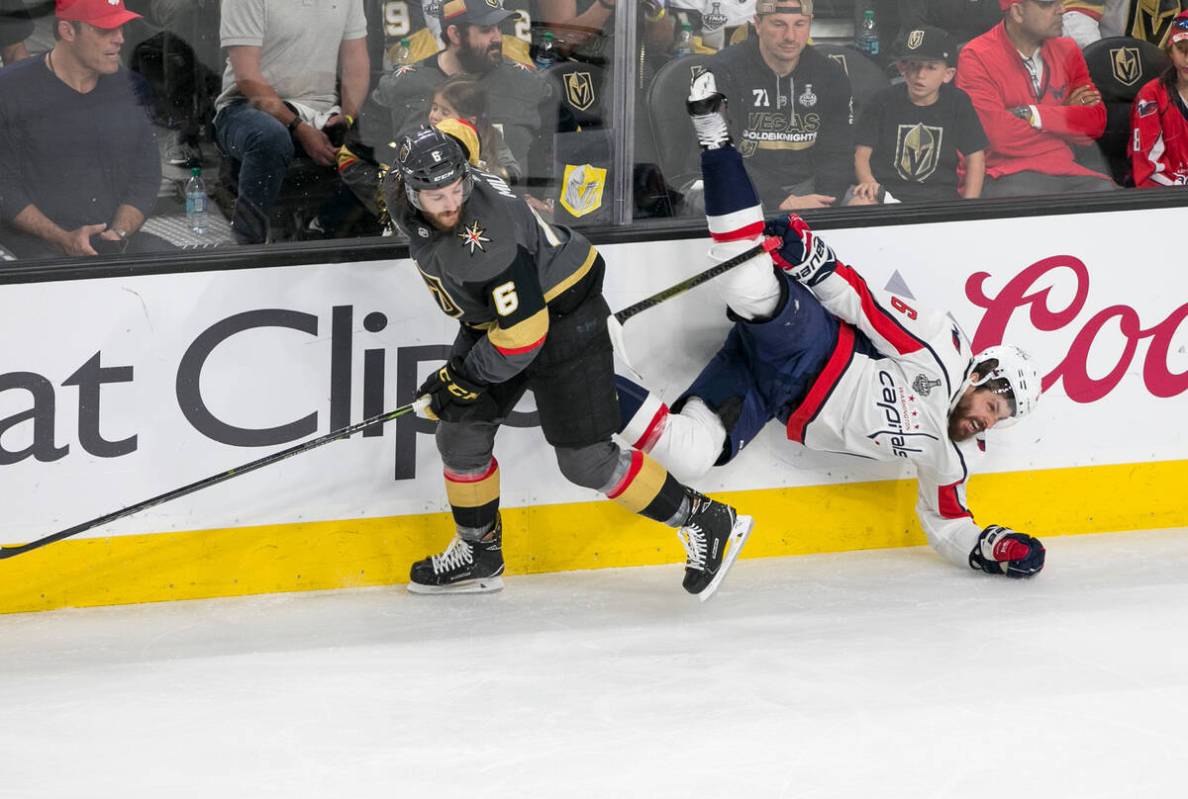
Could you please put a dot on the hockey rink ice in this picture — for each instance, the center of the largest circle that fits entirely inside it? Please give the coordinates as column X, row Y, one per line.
column 873, row 674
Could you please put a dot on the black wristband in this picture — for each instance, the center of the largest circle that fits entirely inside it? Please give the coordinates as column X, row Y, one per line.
column 292, row 126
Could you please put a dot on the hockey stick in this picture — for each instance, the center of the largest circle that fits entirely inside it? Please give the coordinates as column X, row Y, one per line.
column 215, row 479
column 614, row 322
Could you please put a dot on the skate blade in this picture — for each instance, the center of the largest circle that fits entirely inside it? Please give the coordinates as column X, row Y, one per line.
column 485, row 585
column 738, row 537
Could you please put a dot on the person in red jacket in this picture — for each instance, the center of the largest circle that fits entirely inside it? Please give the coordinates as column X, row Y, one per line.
column 1032, row 91
column 1159, row 118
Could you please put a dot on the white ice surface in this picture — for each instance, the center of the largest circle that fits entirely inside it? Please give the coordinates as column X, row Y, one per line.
column 877, row 674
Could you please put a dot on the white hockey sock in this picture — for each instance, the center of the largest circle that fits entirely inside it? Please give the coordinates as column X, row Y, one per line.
column 752, row 289
column 690, row 441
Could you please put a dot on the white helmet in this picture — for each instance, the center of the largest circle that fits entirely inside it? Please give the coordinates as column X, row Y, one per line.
column 1017, row 370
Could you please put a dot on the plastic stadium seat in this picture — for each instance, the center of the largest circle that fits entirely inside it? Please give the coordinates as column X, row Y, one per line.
column 1120, row 66
column 583, row 91
column 866, row 77
column 676, row 145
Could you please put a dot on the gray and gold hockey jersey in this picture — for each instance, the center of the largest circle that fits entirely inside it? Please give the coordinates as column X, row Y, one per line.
column 498, row 271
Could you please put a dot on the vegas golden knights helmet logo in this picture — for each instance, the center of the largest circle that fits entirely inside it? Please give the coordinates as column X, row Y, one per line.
column 1127, row 65
column 917, row 151
column 915, row 39
column 579, row 89
column 1150, row 20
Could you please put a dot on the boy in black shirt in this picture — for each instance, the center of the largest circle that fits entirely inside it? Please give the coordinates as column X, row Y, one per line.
column 909, row 135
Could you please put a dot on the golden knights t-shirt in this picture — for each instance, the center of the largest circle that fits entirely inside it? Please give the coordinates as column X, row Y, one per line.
column 915, row 147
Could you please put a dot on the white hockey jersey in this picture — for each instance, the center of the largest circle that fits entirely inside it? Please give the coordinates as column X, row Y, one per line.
column 895, row 406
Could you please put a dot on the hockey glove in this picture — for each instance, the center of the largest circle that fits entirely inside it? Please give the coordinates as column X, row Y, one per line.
column 1001, row 550
column 453, row 395
column 802, row 254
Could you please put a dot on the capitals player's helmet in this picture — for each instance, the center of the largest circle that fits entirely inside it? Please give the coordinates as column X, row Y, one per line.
column 430, row 159
column 1013, row 374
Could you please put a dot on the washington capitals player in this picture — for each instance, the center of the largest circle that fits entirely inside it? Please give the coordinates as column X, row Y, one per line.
column 528, row 299
column 845, row 368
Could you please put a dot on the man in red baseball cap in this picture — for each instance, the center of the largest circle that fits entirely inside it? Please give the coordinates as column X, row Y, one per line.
column 105, row 14
column 80, row 170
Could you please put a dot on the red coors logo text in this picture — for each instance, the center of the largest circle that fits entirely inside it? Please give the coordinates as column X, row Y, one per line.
column 1019, row 293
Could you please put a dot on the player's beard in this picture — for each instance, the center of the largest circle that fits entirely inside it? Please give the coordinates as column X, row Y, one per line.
column 444, row 222
column 960, row 419
column 479, row 62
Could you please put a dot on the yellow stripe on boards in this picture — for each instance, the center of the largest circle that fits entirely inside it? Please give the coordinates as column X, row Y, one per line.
column 548, row 538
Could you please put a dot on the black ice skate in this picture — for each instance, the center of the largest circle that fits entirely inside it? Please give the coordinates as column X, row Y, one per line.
column 706, row 106
column 713, row 536
column 466, row 567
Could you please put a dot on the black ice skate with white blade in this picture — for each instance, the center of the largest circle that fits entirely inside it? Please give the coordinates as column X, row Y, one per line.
column 713, row 536
column 706, row 106
column 466, row 567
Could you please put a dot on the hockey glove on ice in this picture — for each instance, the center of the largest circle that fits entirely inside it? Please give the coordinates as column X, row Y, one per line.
column 1001, row 550
column 453, row 395
column 802, row 255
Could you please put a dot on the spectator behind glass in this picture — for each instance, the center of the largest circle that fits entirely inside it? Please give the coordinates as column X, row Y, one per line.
column 789, row 109
column 470, row 29
column 79, row 169
column 461, row 97
column 1033, row 93
column 1086, row 21
column 909, row 135
column 1159, row 119
column 15, row 26
column 961, row 19
column 279, row 93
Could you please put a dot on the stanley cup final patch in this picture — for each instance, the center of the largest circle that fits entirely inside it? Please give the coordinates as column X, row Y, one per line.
column 582, row 186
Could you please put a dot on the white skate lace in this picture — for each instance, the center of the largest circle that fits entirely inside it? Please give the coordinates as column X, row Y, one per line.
column 710, row 128
column 694, row 541
column 458, row 554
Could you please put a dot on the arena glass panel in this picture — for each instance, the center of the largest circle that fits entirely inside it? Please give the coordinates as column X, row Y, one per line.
column 599, row 140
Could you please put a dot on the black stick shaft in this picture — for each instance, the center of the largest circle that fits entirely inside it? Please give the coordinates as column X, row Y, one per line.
column 215, row 479
column 685, row 285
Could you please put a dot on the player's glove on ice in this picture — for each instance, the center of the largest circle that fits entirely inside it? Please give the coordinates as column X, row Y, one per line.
column 802, row 254
column 453, row 395
column 1001, row 550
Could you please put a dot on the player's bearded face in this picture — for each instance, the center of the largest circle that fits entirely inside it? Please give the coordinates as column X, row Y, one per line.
column 481, row 49
column 443, row 207
column 978, row 410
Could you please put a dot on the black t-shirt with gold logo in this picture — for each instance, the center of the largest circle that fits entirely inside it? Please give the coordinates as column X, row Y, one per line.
column 915, row 147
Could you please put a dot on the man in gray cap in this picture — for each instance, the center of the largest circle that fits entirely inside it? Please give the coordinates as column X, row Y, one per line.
column 473, row 44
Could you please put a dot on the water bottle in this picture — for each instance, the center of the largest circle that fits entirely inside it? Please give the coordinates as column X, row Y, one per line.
column 867, row 40
column 403, row 54
column 684, row 41
column 196, row 202
column 546, row 52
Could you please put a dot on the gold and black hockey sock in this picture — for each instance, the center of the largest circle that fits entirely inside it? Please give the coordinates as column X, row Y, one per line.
column 648, row 489
column 474, row 499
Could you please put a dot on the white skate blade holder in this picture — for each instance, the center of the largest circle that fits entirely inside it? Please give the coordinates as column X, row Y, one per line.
column 738, row 537
column 483, row 585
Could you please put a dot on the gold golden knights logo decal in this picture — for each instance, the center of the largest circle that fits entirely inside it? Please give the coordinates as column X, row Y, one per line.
column 917, row 151
column 915, row 39
column 579, row 90
column 581, row 188
column 1127, row 66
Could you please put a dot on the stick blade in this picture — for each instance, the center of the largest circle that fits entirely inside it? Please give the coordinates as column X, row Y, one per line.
column 615, row 328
